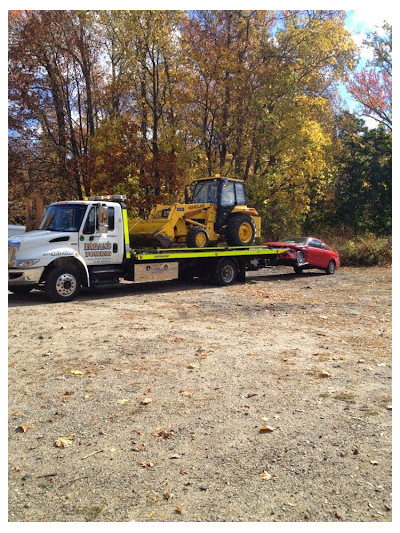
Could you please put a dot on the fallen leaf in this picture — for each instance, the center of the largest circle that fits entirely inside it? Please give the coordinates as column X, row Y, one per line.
column 265, row 476
column 192, row 366
column 325, row 374
column 324, row 317
column 139, row 448
column 64, row 442
column 164, row 433
column 146, row 464
column 168, row 496
column 266, row 429
column 23, row 428
column 179, row 509
column 176, row 456
column 77, row 372
column 146, row 401
column 123, row 401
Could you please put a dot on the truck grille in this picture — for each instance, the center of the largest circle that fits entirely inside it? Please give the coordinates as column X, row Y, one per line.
column 12, row 253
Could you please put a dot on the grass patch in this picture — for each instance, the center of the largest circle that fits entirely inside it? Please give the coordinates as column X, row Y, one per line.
column 348, row 397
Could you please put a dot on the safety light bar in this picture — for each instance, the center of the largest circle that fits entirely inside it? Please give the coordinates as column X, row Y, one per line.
column 108, row 197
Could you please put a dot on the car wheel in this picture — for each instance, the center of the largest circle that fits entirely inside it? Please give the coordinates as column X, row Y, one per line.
column 297, row 269
column 331, row 267
column 300, row 258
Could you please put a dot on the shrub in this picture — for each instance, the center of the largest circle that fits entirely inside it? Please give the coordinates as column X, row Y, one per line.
column 363, row 250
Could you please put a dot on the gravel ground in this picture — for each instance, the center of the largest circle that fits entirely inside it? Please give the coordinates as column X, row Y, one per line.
column 268, row 401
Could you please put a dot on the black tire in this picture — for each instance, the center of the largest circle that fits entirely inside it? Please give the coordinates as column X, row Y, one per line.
column 197, row 237
column 225, row 273
column 20, row 291
column 298, row 270
column 240, row 231
column 331, row 267
column 62, row 284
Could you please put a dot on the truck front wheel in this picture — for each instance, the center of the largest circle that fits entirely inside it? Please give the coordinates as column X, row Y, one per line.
column 62, row 284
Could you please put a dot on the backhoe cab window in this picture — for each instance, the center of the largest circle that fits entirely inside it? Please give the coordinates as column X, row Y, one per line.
column 228, row 194
column 63, row 217
column 205, row 192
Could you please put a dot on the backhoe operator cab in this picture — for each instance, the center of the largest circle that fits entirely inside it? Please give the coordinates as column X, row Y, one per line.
column 234, row 221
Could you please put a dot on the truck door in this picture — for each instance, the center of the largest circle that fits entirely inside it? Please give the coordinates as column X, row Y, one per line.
column 102, row 248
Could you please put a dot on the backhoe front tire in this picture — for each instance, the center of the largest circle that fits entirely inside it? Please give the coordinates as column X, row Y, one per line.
column 241, row 231
column 197, row 237
column 63, row 284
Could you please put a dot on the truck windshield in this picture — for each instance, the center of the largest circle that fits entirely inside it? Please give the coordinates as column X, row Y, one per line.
column 63, row 217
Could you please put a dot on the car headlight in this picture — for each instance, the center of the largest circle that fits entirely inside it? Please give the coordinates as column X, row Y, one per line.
column 25, row 263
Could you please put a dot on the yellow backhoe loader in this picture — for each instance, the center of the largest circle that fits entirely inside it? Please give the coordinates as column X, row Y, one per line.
column 214, row 211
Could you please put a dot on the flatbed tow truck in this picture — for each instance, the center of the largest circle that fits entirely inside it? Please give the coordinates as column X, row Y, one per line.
column 87, row 244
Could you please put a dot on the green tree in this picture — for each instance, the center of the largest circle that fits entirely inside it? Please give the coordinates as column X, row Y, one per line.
column 364, row 182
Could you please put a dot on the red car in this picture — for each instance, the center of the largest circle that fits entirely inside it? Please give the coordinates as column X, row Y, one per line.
column 307, row 252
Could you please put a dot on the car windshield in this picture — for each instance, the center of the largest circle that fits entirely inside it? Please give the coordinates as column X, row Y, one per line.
column 63, row 217
column 296, row 240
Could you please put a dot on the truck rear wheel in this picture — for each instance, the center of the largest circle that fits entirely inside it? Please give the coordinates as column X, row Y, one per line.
column 225, row 273
column 241, row 231
column 63, row 284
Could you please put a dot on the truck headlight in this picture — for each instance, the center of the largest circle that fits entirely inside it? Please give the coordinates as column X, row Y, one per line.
column 25, row 263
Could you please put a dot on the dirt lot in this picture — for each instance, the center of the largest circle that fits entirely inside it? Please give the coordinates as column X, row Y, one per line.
column 264, row 401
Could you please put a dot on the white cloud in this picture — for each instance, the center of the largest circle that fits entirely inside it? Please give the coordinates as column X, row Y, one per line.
column 368, row 19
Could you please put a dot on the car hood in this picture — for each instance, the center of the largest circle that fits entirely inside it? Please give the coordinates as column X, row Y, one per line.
column 279, row 244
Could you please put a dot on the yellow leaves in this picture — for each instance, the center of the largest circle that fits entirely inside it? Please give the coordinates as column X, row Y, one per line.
column 64, row 442
column 77, row 372
column 265, row 476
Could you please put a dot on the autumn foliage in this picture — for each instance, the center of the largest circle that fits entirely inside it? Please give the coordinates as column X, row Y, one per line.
column 142, row 102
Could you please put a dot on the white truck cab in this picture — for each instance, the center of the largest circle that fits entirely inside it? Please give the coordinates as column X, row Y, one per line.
column 74, row 240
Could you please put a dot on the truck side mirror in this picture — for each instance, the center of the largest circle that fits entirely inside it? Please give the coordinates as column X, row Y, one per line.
column 102, row 218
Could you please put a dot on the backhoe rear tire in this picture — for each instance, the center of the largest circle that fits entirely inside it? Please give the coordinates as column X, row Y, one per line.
column 241, row 230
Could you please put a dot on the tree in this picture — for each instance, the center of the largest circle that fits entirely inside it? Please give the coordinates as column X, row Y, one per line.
column 364, row 181
column 372, row 86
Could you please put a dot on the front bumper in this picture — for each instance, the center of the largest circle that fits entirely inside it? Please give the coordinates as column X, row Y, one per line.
column 17, row 277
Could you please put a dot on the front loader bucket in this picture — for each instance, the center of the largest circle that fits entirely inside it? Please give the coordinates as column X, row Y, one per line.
column 149, row 233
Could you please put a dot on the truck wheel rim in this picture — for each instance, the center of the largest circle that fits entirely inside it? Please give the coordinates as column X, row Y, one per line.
column 201, row 240
column 245, row 232
column 66, row 285
column 228, row 273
